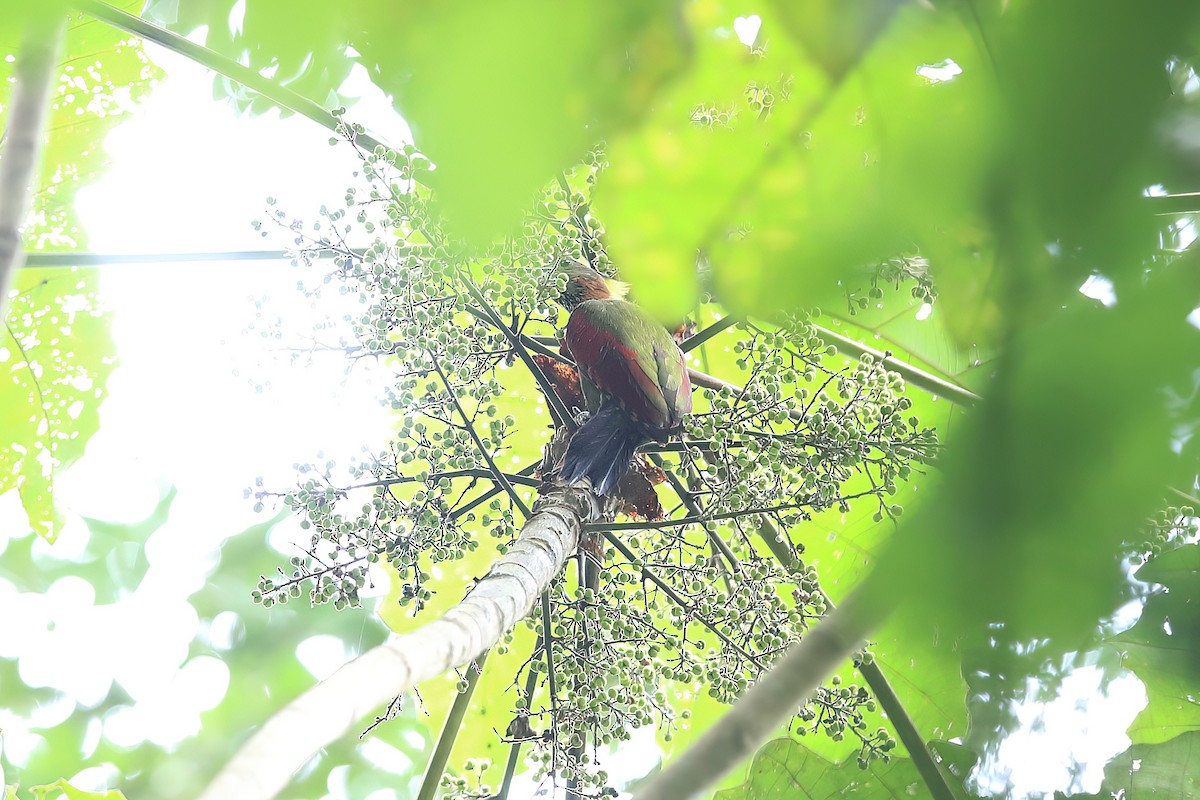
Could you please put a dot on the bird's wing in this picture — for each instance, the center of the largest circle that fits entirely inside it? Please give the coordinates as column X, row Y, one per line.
column 632, row 358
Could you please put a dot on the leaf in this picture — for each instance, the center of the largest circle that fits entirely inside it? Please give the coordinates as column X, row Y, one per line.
column 55, row 358
column 1084, row 165
column 502, row 96
column 1167, row 771
column 300, row 47
column 61, row 789
column 1163, row 648
column 893, row 322
column 103, row 75
column 784, row 768
column 1060, row 425
column 836, row 34
column 674, row 181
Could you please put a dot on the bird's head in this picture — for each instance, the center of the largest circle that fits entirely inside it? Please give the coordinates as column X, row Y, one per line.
column 585, row 283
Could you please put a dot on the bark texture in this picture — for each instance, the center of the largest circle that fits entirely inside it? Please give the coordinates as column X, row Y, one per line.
column 326, row 712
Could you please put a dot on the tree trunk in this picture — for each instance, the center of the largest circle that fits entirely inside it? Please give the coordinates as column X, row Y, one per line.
column 503, row 597
column 40, row 43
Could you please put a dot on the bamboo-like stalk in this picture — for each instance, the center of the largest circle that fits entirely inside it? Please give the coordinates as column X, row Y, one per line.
column 767, row 705
column 41, row 41
column 445, row 743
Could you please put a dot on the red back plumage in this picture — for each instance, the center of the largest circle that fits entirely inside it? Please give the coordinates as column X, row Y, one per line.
column 633, row 359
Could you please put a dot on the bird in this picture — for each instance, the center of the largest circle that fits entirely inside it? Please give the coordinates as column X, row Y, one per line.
column 633, row 374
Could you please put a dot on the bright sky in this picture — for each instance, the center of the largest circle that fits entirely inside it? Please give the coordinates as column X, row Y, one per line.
column 200, row 401
column 185, row 408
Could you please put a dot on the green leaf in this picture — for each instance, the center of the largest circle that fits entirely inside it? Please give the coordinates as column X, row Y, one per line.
column 502, row 96
column 1086, row 155
column 836, row 34
column 1167, row 771
column 1163, row 648
column 102, row 76
column 61, row 789
column 57, row 355
column 300, row 47
column 672, row 184
column 784, row 768
column 1046, row 483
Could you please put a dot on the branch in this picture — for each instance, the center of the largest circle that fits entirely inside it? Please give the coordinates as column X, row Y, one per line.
column 767, row 705
column 486, row 313
column 497, row 473
column 708, row 333
column 873, row 675
column 445, row 742
column 226, row 67
column 40, row 43
column 912, row 375
column 262, row 767
column 513, row 478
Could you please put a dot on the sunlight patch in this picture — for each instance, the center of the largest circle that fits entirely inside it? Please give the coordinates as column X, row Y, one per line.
column 941, row 72
column 747, row 29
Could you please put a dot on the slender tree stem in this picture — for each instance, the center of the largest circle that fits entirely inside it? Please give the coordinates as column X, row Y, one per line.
column 40, row 43
column 912, row 375
column 696, row 510
column 488, row 314
column 681, row 601
column 462, row 511
column 502, row 597
column 767, row 705
column 487, row 474
column 445, row 742
column 873, row 675
column 708, row 333
column 514, row 750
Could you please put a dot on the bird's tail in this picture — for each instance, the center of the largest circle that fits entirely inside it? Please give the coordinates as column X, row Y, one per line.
column 602, row 449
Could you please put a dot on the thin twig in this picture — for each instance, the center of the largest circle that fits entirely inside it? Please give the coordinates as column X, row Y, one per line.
column 483, row 451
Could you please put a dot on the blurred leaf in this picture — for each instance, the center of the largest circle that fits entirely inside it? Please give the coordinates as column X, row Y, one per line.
column 1064, row 459
column 1167, row 771
column 784, row 768
column 836, row 34
column 57, row 355
column 1163, row 648
column 890, row 160
column 502, row 96
column 302, row 46
column 61, row 789
column 1082, row 119
column 674, row 182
